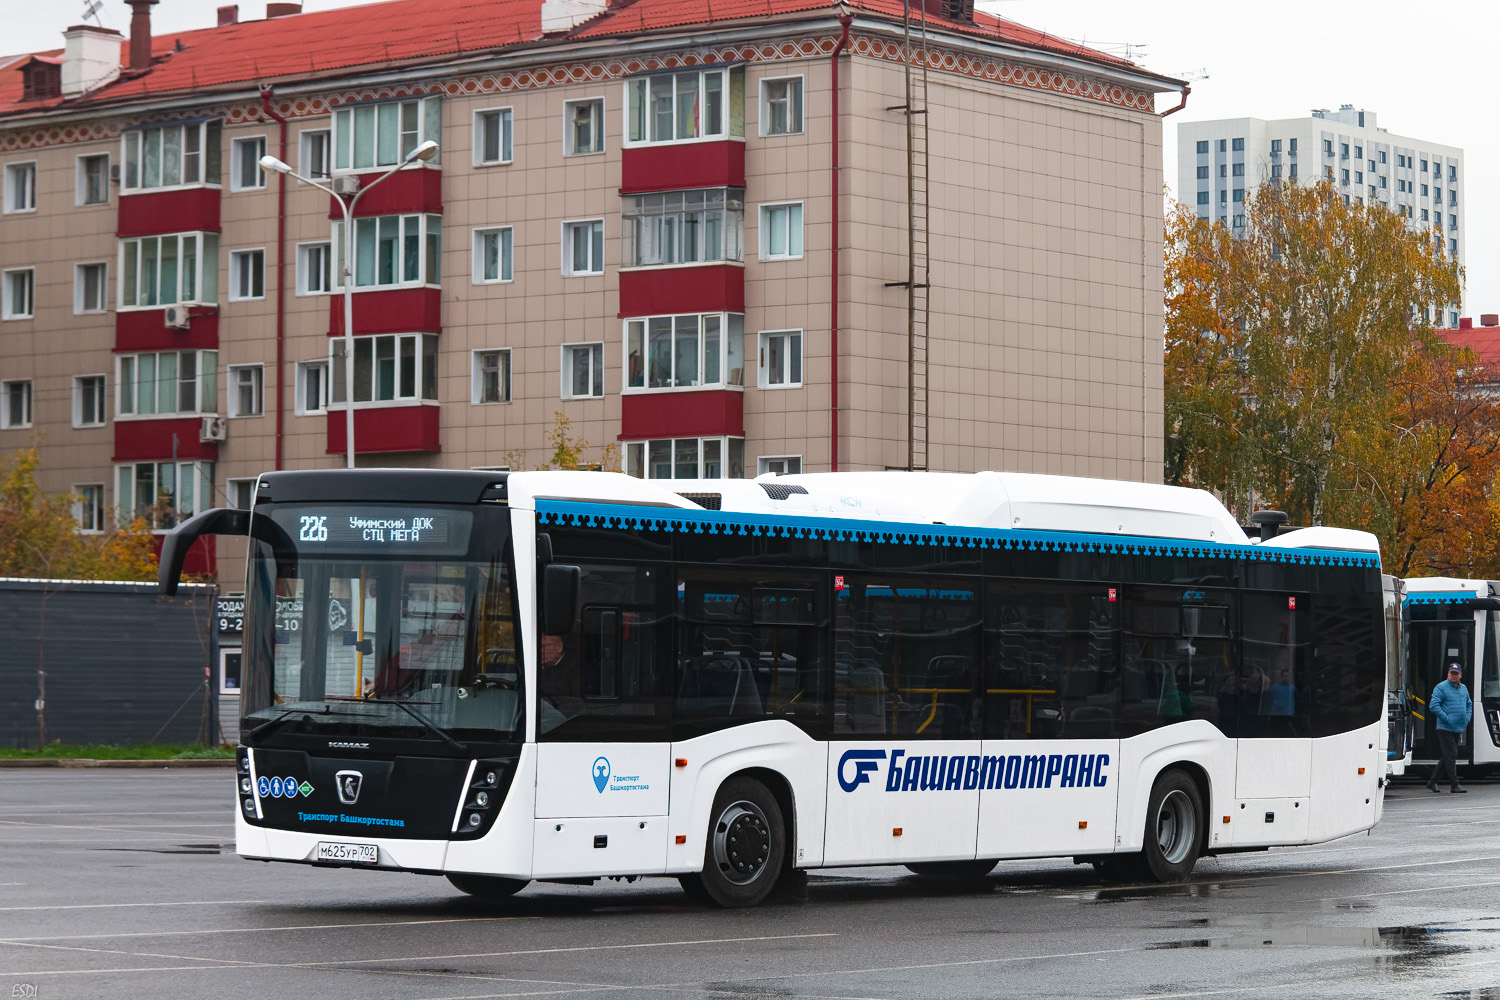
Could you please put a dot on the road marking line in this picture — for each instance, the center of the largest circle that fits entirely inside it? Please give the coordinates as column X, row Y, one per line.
column 109, row 906
column 1397, row 892
column 258, row 930
column 221, row 963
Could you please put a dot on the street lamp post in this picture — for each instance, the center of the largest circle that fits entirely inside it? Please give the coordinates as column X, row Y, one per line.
column 425, row 151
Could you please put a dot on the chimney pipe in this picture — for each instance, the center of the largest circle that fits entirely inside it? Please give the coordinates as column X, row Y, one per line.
column 229, row 14
column 1489, row 319
column 140, row 33
column 282, row 9
column 1466, row 322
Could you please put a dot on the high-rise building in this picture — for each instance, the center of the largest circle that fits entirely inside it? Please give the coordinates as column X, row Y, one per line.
column 1219, row 162
column 725, row 239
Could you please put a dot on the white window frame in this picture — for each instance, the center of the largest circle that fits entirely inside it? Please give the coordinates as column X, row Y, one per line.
column 205, row 277
column 304, row 268
column 762, row 465
column 13, row 188
column 257, row 385
column 763, row 362
column 201, row 474
column 324, row 387
column 236, row 181
column 428, row 126
column 638, row 86
column 236, row 292
column 505, row 375
column 8, row 305
column 765, row 105
column 424, row 354
column 210, row 134
column 570, row 147
column 505, row 143
column 766, row 215
column 8, row 388
column 654, row 228
column 638, row 338
column 101, row 402
column 505, row 255
column 596, row 372
column 569, row 228
column 81, row 189
column 637, row 454
column 97, row 525
column 305, row 166
column 128, row 384
column 81, row 307
column 428, row 226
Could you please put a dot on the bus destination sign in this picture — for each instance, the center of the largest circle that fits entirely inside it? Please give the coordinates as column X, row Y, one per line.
column 384, row 529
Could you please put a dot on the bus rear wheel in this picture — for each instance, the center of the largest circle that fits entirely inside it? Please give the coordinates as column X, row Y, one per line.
column 953, row 871
column 489, row 887
column 1174, row 828
column 746, row 847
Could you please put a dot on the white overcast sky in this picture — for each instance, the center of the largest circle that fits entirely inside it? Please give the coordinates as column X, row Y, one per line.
column 1427, row 72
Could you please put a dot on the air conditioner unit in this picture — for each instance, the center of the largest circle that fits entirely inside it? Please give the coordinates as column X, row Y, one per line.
column 213, row 429
column 177, row 317
column 114, row 172
column 346, row 185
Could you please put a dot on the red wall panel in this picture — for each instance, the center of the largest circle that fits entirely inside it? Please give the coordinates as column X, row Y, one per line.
column 386, row 429
column 146, row 330
column 399, row 310
column 186, row 211
column 419, row 190
column 705, row 288
column 678, row 166
column 702, row 413
column 151, row 440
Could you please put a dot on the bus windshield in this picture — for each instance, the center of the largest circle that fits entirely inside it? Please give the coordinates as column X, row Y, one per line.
column 382, row 620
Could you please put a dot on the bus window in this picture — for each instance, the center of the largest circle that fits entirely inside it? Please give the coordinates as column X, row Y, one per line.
column 1489, row 681
column 1270, row 698
column 1050, row 661
column 906, row 657
column 1175, row 661
column 1345, row 695
column 750, row 645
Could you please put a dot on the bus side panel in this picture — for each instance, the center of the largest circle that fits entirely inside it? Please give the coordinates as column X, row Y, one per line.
column 1144, row 757
column 1048, row 798
column 506, row 848
column 1344, row 801
column 1269, row 768
column 773, row 745
column 880, row 813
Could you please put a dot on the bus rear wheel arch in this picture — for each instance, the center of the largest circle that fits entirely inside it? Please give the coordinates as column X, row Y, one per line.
column 1176, row 829
column 746, row 847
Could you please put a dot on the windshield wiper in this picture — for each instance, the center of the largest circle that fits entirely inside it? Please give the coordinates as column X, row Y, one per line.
column 267, row 726
column 455, row 744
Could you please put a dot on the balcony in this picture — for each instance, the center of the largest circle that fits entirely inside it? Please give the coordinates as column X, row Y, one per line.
column 415, row 189
column 150, row 439
column 184, row 210
column 690, row 413
column 386, row 430
column 678, row 166
column 413, row 309
column 690, row 288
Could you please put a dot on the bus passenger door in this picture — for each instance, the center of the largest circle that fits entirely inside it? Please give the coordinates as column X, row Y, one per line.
column 1433, row 646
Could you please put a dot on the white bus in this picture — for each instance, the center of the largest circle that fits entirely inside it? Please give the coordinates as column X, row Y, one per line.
column 565, row 676
column 1454, row 621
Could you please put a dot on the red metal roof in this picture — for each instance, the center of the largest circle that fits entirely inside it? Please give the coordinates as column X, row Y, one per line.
column 1483, row 340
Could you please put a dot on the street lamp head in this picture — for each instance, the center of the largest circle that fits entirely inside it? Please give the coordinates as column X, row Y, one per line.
column 269, row 162
column 424, row 152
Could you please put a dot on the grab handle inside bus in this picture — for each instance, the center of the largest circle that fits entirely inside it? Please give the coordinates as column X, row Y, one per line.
column 174, row 547
column 560, row 587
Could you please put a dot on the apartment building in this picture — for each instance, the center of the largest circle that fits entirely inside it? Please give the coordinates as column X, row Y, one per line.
column 688, row 227
column 1220, row 161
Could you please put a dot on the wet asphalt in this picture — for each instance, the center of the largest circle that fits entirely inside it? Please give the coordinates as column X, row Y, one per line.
column 125, row 884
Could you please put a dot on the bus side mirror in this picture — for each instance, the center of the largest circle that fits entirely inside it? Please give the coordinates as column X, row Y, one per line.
column 174, row 547
column 560, row 587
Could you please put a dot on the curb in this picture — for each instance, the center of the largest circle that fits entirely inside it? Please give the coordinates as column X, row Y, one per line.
column 90, row 762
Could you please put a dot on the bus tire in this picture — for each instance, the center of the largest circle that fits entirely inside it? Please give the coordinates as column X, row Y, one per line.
column 487, row 887
column 1174, row 828
column 746, row 846
column 953, row 871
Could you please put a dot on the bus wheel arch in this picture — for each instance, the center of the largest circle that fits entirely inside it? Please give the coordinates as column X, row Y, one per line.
column 748, row 842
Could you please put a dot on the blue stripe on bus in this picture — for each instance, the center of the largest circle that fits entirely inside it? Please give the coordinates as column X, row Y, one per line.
column 566, row 513
column 1441, row 597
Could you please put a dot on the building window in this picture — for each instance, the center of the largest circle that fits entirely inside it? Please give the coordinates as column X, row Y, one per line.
column 1203, row 197
column 88, row 511
column 781, row 359
column 393, row 250
column 88, row 401
column 20, row 187
column 494, row 136
column 18, row 293
column 585, row 127
column 91, row 288
column 685, row 105
column 15, row 404
column 93, row 179
column 494, row 257
column 1344, row 175
column 1203, row 173
column 1223, row 145
column 583, row 247
column 246, row 390
column 1275, row 171
column 314, row 153
column 779, row 465
column 395, row 368
column 1202, row 145
column 1359, row 152
column 781, row 106
column 684, row 227
column 1382, row 180
column 163, row 492
column 1292, row 171
column 1291, row 147
column 1437, row 196
column 677, row 352
column 247, row 275
column 1239, row 194
column 1239, row 222
column 491, row 377
column 1343, row 151
column 1452, row 222
column 686, row 458
column 1452, row 197
column 1238, row 145
column 171, row 156
column 1382, row 156
column 582, row 371
column 1275, row 147
column 1424, row 166
column 1359, row 176
column 1327, row 147
column 166, row 383
column 1452, row 172
column 368, row 136
column 244, row 157
column 1223, row 197
column 1223, row 170
column 1239, row 170
column 312, row 387
column 314, row 268
column 781, row 231
column 1424, row 215
column 160, row 270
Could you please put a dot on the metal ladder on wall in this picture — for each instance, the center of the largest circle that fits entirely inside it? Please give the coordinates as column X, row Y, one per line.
column 918, row 310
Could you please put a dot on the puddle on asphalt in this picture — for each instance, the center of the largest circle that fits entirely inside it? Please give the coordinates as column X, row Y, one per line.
column 176, row 849
column 1399, row 948
column 1195, row 890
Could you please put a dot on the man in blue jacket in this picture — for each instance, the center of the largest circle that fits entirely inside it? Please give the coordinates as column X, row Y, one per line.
column 1451, row 709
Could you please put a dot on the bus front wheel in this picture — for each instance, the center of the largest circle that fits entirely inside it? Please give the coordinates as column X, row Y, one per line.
column 746, row 846
column 490, row 887
column 1174, row 828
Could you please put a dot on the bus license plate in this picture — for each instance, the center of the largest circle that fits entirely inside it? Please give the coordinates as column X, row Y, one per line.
column 351, row 854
